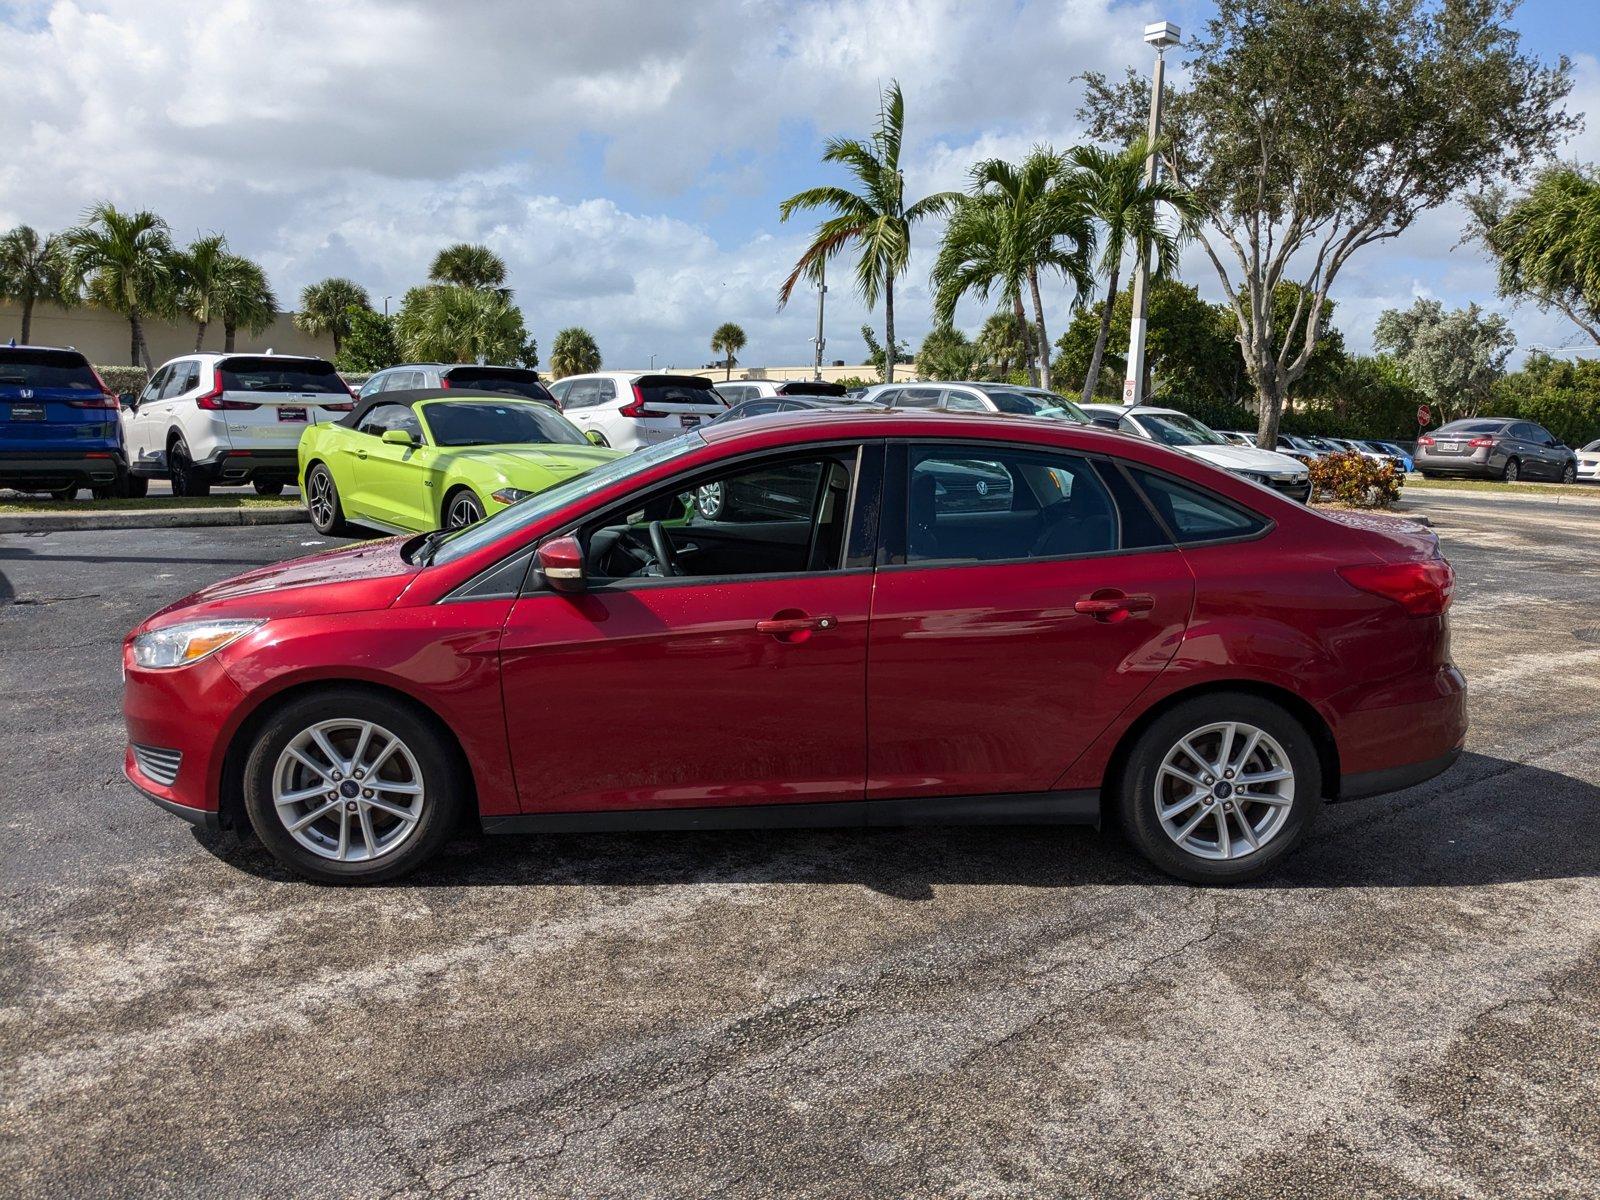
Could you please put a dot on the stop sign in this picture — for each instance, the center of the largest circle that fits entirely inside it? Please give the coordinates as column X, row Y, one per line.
column 1423, row 415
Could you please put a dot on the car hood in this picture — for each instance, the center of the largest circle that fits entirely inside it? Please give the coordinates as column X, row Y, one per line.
column 351, row 579
column 516, row 464
column 1242, row 458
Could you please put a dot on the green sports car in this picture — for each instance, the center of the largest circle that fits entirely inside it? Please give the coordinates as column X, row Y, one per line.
column 411, row 461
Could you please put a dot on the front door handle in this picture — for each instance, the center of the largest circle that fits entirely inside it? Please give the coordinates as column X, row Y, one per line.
column 361, row 453
column 1111, row 605
column 794, row 627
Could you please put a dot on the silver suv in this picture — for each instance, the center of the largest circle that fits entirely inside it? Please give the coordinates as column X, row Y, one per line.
column 513, row 381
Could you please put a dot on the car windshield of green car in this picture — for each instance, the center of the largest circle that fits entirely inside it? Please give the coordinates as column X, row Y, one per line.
column 485, row 423
column 443, row 547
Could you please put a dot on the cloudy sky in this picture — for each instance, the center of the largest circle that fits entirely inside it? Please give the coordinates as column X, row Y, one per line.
column 625, row 156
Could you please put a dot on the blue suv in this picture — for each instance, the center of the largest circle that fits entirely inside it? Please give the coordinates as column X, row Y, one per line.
column 60, row 429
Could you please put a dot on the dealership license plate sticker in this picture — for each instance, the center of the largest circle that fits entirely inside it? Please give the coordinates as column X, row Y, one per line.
column 291, row 414
column 689, row 422
column 1449, row 447
column 27, row 412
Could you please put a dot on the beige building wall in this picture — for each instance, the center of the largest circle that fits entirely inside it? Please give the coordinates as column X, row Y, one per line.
column 903, row 372
column 103, row 338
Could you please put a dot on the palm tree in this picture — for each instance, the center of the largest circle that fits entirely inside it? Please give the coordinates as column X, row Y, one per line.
column 728, row 340
column 197, row 282
column 459, row 324
column 1548, row 244
column 1125, row 204
column 875, row 218
column 32, row 268
column 244, row 299
column 574, row 352
column 1021, row 220
column 470, row 266
column 324, row 307
column 124, row 261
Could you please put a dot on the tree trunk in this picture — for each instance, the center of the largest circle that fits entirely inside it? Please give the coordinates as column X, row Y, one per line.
column 136, row 342
column 27, row 316
column 1027, row 338
column 228, row 330
column 200, row 335
column 888, row 328
column 727, row 367
column 1092, row 383
column 1269, row 396
column 1044, row 338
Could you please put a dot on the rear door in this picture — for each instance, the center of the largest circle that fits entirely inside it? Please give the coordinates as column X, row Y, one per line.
column 52, row 404
column 270, row 400
column 998, row 652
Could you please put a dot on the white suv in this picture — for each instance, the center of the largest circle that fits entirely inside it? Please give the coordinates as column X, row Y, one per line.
column 229, row 419
column 626, row 410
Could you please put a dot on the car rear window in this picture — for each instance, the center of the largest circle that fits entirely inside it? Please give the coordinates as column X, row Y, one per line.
column 271, row 374
column 1472, row 427
column 678, row 389
column 500, row 379
column 485, row 423
column 65, row 369
column 811, row 388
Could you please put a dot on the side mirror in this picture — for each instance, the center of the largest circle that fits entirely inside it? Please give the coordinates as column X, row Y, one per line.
column 595, row 437
column 127, row 400
column 561, row 563
column 398, row 437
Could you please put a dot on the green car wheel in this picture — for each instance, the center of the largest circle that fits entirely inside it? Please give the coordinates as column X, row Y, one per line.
column 463, row 509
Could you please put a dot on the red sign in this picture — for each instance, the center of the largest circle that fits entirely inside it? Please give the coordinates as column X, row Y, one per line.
column 1423, row 415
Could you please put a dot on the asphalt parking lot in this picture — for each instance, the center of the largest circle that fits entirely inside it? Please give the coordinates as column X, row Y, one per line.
column 1411, row 1008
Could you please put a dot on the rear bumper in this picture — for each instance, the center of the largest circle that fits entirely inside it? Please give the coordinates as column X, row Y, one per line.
column 1393, row 779
column 1469, row 465
column 249, row 466
column 1405, row 737
column 40, row 470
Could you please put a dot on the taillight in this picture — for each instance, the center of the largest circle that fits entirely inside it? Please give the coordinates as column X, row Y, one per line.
column 444, row 381
column 339, row 405
column 104, row 400
column 212, row 401
column 637, row 408
column 1481, row 441
column 1423, row 588
column 1424, row 441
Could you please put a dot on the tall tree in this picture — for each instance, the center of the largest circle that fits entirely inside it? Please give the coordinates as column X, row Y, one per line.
column 459, row 324
column 1453, row 358
column 946, row 353
column 875, row 218
column 1001, row 343
column 325, row 308
column 198, row 282
column 244, row 299
column 33, row 268
column 123, row 261
column 1548, row 242
column 1021, row 220
column 727, row 341
column 574, row 352
column 1127, row 209
column 468, row 265
column 1311, row 129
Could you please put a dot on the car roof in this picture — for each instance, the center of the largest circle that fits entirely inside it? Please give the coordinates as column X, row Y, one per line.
column 411, row 397
column 218, row 355
column 33, row 349
column 454, row 366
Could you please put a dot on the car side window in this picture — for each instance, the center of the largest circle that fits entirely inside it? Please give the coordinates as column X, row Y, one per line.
column 581, row 394
column 383, row 417
column 374, row 384
column 917, row 397
column 1194, row 515
column 152, row 390
column 605, row 391
column 183, row 377
column 975, row 503
column 962, row 402
column 559, row 390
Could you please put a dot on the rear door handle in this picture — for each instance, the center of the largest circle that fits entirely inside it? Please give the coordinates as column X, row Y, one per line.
column 784, row 625
column 1110, row 604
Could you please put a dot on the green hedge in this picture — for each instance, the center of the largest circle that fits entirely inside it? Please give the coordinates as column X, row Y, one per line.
column 124, row 379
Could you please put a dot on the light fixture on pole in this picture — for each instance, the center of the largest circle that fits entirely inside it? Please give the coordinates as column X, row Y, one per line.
column 1161, row 35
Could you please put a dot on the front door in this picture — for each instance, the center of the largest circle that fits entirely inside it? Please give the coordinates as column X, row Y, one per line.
column 718, row 656
column 1027, row 601
column 390, row 481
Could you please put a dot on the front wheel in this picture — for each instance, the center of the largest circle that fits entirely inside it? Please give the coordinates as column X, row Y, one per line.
column 322, row 502
column 1569, row 473
column 463, row 509
column 1220, row 788
column 349, row 786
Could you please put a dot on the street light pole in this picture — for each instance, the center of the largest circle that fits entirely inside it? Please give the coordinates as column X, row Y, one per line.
column 1161, row 35
column 822, row 299
column 386, row 300
column 652, row 362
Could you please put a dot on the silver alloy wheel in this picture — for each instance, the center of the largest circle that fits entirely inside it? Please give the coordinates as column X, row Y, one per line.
column 320, row 497
column 463, row 512
column 348, row 790
column 709, row 500
column 1224, row 790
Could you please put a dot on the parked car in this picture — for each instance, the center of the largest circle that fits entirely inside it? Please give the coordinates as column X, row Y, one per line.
column 1495, row 448
column 407, row 377
column 630, row 411
column 1589, row 462
column 738, row 391
column 1183, row 433
column 59, row 429
column 1136, row 636
column 1237, row 437
column 1299, row 449
column 1351, row 446
column 975, row 398
column 772, row 404
column 1393, row 453
column 436, row 457
column 206, row 419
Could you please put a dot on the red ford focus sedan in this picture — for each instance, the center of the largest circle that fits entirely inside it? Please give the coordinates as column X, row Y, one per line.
column 826, row 618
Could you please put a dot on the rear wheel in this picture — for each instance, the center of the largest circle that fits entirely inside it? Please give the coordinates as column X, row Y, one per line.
column 462, row 509
column 349, row 786
column 322, row 502
column 1221, row 788
column 136, row 487
column 269, row 487
column 1512, row 471
column 64, row 493
column 187, row 478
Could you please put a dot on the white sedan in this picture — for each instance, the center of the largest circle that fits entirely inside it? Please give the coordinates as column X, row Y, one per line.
column 1589, row 462
column 1182, row 432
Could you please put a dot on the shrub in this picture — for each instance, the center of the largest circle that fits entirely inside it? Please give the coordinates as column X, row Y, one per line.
column 1356, row 480
column 123, row 379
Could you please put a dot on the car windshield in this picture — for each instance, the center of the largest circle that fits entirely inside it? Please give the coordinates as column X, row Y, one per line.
column 1036, row 404
column 1178, row 429
column 451, row 546
column 1592, row 446
column 486, row 423
column 270, row 374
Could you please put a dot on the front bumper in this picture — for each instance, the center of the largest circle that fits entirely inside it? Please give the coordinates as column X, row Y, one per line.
column 34, row 471
column 187, row 713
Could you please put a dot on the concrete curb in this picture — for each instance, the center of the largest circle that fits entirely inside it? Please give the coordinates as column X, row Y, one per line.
column 1576, row 498
column 149, row 518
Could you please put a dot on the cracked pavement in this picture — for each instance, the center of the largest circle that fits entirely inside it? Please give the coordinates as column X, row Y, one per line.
column 1410, row 1008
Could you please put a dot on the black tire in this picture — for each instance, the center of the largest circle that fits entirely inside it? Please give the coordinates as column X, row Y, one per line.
column 1512, row 471
column 64, row 493
column 327, row 512
column 135, row 487
column 462, row 508
column 441, row 771
column 1569, row 473
column 1136, row 789
column 269, row 487
column 187, row 479
column 600, row 440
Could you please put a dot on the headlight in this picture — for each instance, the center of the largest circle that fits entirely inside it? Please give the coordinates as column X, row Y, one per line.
column 180, row 645
column 509, row 495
